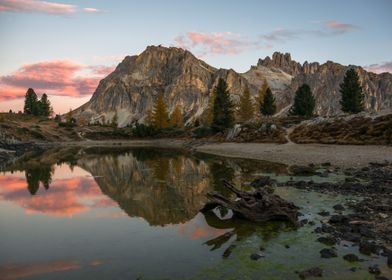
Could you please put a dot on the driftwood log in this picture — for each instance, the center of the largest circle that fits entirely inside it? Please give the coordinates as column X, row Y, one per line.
column 258, row 205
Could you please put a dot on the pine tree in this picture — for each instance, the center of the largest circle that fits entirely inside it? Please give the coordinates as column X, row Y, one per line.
column 210, row 109
column 268, row 108
column 160, row 114
column 223, row 116
column 262, row 91
column 304, row 102
column 115, row 120
column 246, row 107
column 351, row 90
column 31, row 102
column 44, row 107
column 176, row 118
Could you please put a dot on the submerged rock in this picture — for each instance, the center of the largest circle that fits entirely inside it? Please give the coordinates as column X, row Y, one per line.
column 351, row 258
column 328, row 253
column 327, row 240
column 311, row 272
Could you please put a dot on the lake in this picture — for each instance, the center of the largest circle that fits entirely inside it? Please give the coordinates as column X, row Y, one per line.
column 101, row 213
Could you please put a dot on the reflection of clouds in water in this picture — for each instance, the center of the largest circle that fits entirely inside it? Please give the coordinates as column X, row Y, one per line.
column 65, row 197
column 198, row 228
column 16, row 271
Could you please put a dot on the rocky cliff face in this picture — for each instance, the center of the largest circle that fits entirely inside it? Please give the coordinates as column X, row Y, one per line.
column 132, row 88
column 135, row 84
column 324, row 80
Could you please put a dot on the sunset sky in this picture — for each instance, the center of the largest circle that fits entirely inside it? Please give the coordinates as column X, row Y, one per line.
column 64, row 48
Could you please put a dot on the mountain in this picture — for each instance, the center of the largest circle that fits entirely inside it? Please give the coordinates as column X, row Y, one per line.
column 131, row 89
column 137, row 81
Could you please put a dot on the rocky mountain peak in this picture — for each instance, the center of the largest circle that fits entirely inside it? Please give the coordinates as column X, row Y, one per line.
column 283, row 62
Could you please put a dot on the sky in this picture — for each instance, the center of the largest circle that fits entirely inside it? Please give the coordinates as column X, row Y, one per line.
column 64, row 48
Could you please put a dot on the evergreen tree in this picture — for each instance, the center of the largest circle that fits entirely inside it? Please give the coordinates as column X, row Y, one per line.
column 44, row 107
column 160, row 114
column 262, row 92
column 31, row 102
column 268, row 108
column 210, row 109
column 351, row 90
column 304, row 102
column 176, row 118
column 223, row 116
column 246, row 107
column 115, row 120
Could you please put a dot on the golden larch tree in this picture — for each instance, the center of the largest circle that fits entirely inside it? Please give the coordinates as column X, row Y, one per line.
column 160, row 114
column 246, row 108
column 177, row 118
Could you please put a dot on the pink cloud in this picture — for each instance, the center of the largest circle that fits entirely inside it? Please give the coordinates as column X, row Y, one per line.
column 30, row 6
column 36, row 6
column 380, row 67
column 339, row 25
column 215, row 43
column 58, row 77
column 91, row 10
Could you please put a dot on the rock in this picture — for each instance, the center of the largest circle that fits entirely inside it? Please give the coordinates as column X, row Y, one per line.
column 311, row 272
column 339, row 207
column 324, row 213
column 338, row 219
column 287, row 246
column 374, row 269
column 263, row 181
column 351, row 258
column 381, row 278
column 256, row 256
column 328, row 253
column 298, row 170
column 327, row 240
column 367, row 248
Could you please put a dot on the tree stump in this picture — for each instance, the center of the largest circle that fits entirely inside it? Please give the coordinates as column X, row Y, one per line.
column 258, row 205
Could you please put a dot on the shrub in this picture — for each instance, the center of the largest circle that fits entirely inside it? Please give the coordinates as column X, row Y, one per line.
column 142, row 130
column 202, row 131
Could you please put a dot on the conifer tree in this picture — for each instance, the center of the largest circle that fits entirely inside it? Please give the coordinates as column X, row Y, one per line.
column 160, row 114
column 351, row 90
column 44, row 107
column 268, row 108
column 149, row 118
column 261, row 94
column 31, row 102
column 115, row 120
column 246, row 107
column 223, row 116
column 176, row 118
column 210, row 109
column 304, row 102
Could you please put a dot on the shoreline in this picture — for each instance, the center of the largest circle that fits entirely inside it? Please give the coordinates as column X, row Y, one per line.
column 291, row 154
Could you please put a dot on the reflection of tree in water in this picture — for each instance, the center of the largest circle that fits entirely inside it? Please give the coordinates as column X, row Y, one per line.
column 219, row 170
column 36, row 175
column 239, row 230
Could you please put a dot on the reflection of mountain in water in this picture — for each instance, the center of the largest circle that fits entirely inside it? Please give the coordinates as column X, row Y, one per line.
column 158, row 187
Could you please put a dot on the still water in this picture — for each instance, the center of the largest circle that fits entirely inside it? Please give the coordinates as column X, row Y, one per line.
column 134, row 214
